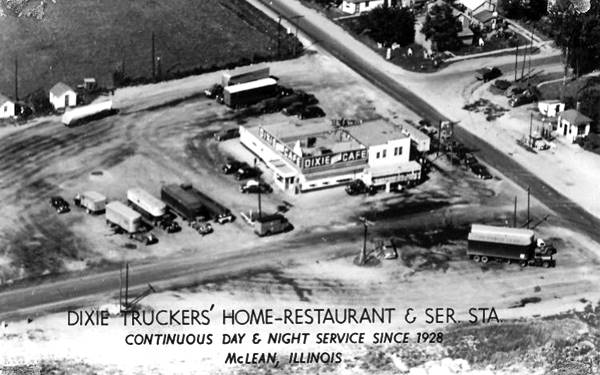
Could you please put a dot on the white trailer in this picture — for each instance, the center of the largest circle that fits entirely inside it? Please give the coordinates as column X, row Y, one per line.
column 122, row 216
column 87, row 112
column 92, row 201
column 147, row 203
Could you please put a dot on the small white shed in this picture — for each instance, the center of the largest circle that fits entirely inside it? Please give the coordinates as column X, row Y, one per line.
column 62, row 96
column 7, row 107
column 551, row 108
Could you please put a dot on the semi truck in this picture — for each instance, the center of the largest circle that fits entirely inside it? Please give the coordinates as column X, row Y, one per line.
column 245, row 74
column 147, row 205
column 215, row 210
column 504, row 244
column 119, row 215
column 185, row 201
column 244, row 94
column 91, row 201
column 266, row 225
column 89, row 112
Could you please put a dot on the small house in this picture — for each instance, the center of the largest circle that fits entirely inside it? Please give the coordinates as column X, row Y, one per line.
column 573, row 125
column 360, row 6
column 550, row 108
column 62, row 96
column 7, row 107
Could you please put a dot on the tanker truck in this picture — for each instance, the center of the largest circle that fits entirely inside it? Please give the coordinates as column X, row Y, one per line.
column 505, row 244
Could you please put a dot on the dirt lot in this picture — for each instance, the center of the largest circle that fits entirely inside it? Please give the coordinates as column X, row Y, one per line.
column 91, row 39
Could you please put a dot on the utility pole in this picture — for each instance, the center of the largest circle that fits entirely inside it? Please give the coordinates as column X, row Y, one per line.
column 515, row 214
column 528, row 198
column 530, row 52
column 524, row 63
column 279, row 37
column 121, row 289
column 530, row 141
column 153, row 59
column 16, row 79
column 516, row 60
column 126, row 304
column 362, row 258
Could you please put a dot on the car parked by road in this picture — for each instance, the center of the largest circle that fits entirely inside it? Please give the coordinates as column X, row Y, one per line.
column 147, row 238
column 245, row 171
column 227, row 133
column 201, row 227
column 359, row 187
column 59, row 204
column 254, row 186
column 487, row 74
column 312, row 111
column 481, row 171
column 231, row 166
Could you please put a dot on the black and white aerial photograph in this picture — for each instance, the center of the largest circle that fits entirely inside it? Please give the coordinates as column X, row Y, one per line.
column 353, row 187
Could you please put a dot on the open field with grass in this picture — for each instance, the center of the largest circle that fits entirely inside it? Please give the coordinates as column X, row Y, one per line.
column 90, row 38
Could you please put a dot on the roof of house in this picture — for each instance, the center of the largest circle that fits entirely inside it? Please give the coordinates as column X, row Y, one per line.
column 60, row 88
column 484, row 16
column 4, row 99
column 376, row 132
column 574, row 117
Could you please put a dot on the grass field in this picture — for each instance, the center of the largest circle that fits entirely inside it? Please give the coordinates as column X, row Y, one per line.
column 91, row 38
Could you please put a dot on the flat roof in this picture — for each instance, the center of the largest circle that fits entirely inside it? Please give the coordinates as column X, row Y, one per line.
column 250, row 85
column 376, row 132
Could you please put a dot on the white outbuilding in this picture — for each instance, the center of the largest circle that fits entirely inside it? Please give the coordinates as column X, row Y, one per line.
column 62, row 96
column 7, row 107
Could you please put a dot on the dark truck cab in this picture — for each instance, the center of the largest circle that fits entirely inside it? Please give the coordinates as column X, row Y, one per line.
column 487, row 242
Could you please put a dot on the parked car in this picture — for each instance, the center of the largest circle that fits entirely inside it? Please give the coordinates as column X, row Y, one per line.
column 169, row 226
column 311, row 112
column 293, row 109
column 146, row 238
column 232, row 166
column 284, row 91
column 525, row 98
column 59, row 204
column 470, row 160
column 306, row 98
column 502, row 84
column 254, row 186
column 481, row 171
column 227, row 133
column 487, row 74
column 202, row 227
column 245, row 172
column 359, row 187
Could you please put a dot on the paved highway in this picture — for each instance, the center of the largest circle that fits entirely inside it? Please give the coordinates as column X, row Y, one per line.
column 572, row 213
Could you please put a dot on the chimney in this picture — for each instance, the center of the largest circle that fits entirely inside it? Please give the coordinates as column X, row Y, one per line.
column 578, row 106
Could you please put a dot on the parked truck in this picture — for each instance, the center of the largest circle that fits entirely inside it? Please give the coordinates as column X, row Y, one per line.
column 147, row 205
column 266, row 225
column 504, row 244
column 89, row 112
column 185, row 201
column 119, row 215
column 249, row 93
column 215, row 210
column 245, row 74
column 91, row 201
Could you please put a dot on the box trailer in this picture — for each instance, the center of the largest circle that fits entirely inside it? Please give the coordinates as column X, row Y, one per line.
column 487, row 242
column 249, row 93
column 184, row 201
column 146, row 204
column 266, row 225
column 118, row 214
column 92, row 201
column 244, row 74
column 215, row 210
column 89, row 112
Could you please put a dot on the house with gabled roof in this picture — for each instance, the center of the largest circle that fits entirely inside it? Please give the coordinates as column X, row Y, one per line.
column 62, row 96
column 573, row 125
column 8, row 107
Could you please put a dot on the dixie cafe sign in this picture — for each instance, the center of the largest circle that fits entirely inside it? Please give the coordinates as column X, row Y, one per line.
column 312, row 161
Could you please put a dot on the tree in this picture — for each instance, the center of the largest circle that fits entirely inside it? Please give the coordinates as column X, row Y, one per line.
column 389, row 25
column 442, row 28
column 578, row 35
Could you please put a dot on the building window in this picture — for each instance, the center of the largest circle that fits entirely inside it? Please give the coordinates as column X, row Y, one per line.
column 367, row 4
column 398, row 151
column 377, row 156
column 5, row 108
